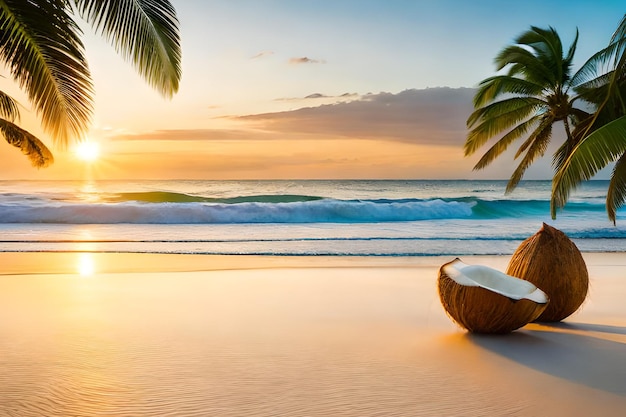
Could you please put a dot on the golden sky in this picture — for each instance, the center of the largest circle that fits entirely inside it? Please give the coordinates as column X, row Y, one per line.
column 351, row 89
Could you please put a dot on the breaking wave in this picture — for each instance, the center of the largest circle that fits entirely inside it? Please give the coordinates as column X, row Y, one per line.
column 178, row 208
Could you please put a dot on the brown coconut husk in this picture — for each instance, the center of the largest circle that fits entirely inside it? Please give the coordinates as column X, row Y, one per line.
column 551, row 261
column 481, row 310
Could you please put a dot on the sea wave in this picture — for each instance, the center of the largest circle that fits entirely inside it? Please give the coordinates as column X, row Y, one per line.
column 175, row 208
column 493, row 209
column 172, row 197
column 316, row 211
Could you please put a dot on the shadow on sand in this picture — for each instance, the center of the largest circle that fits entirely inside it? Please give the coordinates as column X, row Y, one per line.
column 600, row 328
column 565, row 351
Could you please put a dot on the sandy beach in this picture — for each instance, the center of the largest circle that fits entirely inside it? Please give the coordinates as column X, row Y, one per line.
column 86, row 334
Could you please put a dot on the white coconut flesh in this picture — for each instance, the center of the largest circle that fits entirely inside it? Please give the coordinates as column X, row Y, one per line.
column 494, row 280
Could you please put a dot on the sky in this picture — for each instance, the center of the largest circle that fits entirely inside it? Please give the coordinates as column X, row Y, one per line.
column 326, row 89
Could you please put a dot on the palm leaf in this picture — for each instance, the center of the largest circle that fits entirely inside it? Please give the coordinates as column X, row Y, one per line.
column 619, row 37
column 522, row 62
column 616, row 195
column 582, row 120
column 572, row 50
column 525, row 105
column 39, row 155
column 590, row 155
column 490, row 127
column 548, row 49
column 598, row 62
column 8, row 107
column 143, row 32
column 620, row 32
column 592, row 85
column 545, row 122
column 501, row 145
column 40, row 44
column 492, row 87
column 545, row 41
column 542, row 137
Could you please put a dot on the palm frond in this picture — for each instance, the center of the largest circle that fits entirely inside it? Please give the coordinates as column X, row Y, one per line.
column 8, row 107
column 39, row 155
column 598, row 63
column 522, row 63
column 593, row 84
column 619, row 37
column 620, row 32
column 525, row 105
column 567, row 61
column 536, row 150
column 544, row 41
column 143, row 32
column 572, row 49
column 547, row 48
column 545, row 122
column 491, row 88
column 40, row 44
column 590, row 155
column 616, row 195
column 490, row 127
column 581, row 120
column 501, row 145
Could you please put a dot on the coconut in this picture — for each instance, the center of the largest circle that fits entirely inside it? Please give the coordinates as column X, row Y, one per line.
column 485, row 300
column 551, row 261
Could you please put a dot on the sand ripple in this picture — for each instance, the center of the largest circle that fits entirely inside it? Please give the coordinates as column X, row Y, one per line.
column 95, row 377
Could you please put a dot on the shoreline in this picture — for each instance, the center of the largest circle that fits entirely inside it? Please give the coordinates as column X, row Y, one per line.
column 114, row 262
column 106, row 262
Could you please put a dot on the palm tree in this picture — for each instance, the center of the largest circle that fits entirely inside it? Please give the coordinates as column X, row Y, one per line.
column 525, row 101
column 40, row 45
column 603, row 134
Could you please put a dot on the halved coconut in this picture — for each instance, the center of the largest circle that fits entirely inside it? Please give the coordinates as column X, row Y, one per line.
column 485, row 300
column 551, row 261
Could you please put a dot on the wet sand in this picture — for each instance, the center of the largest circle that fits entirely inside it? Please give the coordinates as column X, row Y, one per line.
column 191, row 335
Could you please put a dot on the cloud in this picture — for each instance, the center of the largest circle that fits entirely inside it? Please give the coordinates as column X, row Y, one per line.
column 410, row 134
column 315, row 96
column 306, row 60
column 433, row 116
column 195, row 135
column 262, row 54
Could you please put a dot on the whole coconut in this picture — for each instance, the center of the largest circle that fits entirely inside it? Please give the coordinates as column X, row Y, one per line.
column 484, row 300
column 551, row 261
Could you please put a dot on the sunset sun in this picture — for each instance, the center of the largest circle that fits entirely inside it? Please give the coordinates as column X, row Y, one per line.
column 87, row 151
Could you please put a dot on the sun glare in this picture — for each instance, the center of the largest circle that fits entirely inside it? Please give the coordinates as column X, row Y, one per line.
column 87, row 151
column 86, row 265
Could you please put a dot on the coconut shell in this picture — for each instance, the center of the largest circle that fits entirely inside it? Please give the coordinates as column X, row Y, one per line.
column 482, row 310
column 551, row 261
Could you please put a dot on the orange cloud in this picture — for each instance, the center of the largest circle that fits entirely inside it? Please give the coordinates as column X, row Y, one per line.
column 433, row 116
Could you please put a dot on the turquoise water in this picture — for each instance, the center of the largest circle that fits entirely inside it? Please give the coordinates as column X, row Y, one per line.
column 371, row 218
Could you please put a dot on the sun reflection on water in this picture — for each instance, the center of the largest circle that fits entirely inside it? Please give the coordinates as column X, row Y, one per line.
column 89, row 192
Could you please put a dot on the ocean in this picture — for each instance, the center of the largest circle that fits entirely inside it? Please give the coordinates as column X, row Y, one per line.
column 309, row 218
